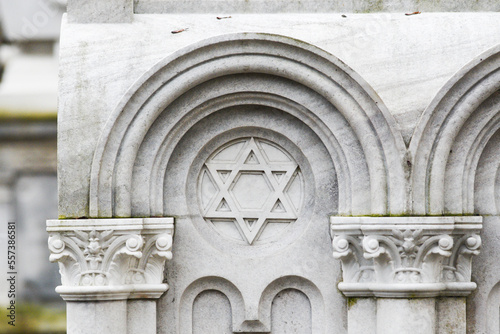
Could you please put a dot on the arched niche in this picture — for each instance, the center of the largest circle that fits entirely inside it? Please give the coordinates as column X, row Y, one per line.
column 291, row 313
column 211, row 313
column 128, row 169
column 450, row 171
column 224, row 300
column 303, row 295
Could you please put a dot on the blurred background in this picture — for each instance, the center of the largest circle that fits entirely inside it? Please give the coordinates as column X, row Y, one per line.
column 29, row 34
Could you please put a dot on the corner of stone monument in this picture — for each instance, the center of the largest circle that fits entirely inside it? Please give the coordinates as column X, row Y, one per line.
column 291, row 146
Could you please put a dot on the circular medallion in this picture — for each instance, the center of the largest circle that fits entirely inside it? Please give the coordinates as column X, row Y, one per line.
column 250, row 189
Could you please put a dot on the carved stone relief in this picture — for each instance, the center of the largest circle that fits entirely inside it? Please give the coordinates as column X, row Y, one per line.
column 289, row 181
column 150, row 120
column 251, row 147
column 251, row 185
column 111, row 259
column 406, row 256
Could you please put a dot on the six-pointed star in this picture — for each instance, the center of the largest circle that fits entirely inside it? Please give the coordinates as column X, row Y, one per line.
column 252, row 190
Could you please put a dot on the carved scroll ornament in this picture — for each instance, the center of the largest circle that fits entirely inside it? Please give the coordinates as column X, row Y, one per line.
column 111, row 258
column 406, row 256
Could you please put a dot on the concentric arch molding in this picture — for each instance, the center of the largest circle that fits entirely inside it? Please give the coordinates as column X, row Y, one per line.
column 128, row 168
column 450, row 174
column 401, row 257
column 111, row 259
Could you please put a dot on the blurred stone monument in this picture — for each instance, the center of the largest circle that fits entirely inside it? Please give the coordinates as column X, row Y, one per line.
column 278, row 167
column 28, row 117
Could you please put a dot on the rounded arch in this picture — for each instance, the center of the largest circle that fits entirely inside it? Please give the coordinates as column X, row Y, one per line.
column 210, row 283
column 487, row 180
column 453, row 132
column 304, row 286
column 359, row 132
column 492, row 310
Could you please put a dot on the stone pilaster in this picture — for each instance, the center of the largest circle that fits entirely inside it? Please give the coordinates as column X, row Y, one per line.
column 405, row 261
column 106, row 264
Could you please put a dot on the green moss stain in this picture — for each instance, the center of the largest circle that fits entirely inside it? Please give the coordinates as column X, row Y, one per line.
column 375, row 6
column 372, row 6
column 351, row 302
column 26, row 115
column 35, row 318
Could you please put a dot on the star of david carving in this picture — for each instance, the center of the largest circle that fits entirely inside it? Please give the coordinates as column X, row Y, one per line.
column 252, row 190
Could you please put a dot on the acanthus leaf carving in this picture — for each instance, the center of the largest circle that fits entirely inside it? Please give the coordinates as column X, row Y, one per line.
column 119, row 253
column 125, row 259
column 408, row 243
column 343, row 251
column 405, row 252
column 159, row 250
column 468, row 247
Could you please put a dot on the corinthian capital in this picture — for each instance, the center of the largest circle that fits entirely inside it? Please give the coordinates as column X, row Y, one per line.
column 108, row 259
column 406, row 256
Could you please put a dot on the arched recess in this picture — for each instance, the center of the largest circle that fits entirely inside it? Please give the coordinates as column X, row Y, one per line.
column 492, row 315
column 127, row 174
column 449, row 170
column 205, row 284
column 306, row 287
column 211, row 313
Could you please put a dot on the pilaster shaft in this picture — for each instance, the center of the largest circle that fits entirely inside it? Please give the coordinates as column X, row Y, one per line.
column 406, row 262
column 111, row 271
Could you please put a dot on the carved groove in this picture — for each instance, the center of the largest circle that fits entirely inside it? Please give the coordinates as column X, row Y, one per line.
column 113, row 175
column 451, row 137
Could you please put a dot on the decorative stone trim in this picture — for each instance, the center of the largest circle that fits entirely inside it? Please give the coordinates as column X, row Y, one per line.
column 111, row 259
column 452, row 134
column 366, row 184
column 402, row 257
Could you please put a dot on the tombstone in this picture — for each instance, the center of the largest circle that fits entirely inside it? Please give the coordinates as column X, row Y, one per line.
column 230, row 174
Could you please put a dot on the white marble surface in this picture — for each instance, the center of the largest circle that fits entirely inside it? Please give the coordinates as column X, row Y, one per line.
column 396, row 316
column 95, row 11
column 311, row 6
column 144, row 112
column 102, row 317
column 403, row 58
column 362, row 316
